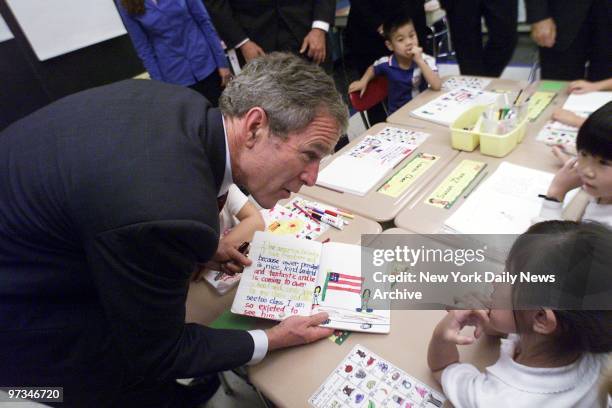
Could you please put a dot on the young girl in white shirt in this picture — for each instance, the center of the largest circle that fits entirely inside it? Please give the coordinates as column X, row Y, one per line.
column 556, row 344
column 591, row 170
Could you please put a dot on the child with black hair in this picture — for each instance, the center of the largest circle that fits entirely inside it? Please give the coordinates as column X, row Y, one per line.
column 408, row 70
column 557, row 339
column 591, row 170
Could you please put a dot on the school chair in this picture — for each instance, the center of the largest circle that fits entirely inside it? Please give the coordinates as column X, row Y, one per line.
column 439, row 31
column 375, row 93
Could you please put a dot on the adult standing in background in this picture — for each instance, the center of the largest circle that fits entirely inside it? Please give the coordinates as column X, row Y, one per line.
column 177, row 43
column 109, row 203
column 570, row 34
column 364, row 39
column 256, row 27
column 500, row 16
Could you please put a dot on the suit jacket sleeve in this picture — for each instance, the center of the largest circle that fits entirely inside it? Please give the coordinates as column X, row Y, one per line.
column 325, row 10
column 142, row 273
column 537, row 10
column 141, row 44
column 229, row 29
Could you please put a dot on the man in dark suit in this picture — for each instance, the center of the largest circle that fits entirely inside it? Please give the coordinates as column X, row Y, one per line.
column 257, row 27
column 465, row 20
column 108, row 203
column 570, row 34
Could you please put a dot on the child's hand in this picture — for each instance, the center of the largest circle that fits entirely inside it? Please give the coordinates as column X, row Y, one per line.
column 581, row 86
column 228, row 259
column 358, row 86
column 566, row 179
column 417, row 53
column 450, row 327
column 562, row 154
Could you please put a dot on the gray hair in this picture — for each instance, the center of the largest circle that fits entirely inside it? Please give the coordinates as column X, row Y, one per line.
column 291, row 90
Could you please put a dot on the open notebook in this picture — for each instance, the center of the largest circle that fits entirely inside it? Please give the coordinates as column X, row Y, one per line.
column 291, row 276
column 358, row 170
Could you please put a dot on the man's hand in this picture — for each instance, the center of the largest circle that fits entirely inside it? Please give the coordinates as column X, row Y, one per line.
column 544, row 32
column 314, row 42
column 581, row 87
column 251, row 50
column 225, row 75
column 566, row 179
column 297, row 330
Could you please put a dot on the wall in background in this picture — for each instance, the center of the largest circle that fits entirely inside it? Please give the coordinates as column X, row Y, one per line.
column 26, row 83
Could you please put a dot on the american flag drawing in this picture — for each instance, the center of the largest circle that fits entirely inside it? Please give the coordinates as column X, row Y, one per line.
column 342, row 282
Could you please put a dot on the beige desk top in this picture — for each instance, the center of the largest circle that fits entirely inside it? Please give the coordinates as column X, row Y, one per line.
column 423, row 218
column 290, row 376
column 377, row 206
column 204, row 304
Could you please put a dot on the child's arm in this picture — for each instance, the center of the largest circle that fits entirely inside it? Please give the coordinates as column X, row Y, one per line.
column 565, row 180
column 227, row 253
column 250, row 221
column 581, row 86
column 432, row 77
column 362, row 84
column 568, row 117
column 442, row 350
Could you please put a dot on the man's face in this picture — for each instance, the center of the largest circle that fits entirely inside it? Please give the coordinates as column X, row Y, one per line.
column 280, row 167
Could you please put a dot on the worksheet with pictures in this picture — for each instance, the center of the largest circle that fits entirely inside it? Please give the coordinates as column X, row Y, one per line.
column 359, row 169
column 465, row 82
column 446, row 108
column 364, row 379
column 290, row 219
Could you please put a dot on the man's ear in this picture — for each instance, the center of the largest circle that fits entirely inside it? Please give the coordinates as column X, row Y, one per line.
column 544, row 321
column 255, row 120
column 389, row 45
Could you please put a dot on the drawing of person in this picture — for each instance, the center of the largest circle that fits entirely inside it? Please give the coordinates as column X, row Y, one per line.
column 365, row 298
column 315, row 296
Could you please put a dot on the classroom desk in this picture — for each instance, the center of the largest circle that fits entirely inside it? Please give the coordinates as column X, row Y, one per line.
column 377, row 206
column 204, row 304
column 402, row 116
column 289, row 377
column 423, row 218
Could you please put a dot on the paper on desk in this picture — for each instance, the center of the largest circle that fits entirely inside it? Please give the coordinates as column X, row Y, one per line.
column 408, row 174
column 362, row 167
column 465, row 82
column 588, row 102
column 538, row 102
column 505, row 203
column 451, row 188
column 364, row 379
column 446, row 108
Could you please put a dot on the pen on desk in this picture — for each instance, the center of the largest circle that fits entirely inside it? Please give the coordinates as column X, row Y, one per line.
column 306, row 213
column 326, row 241
column 517, row 97
column 329, row 220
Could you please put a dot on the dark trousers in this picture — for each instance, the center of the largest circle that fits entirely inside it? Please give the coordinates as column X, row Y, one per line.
column 473, row 57
column 592, row 45
column 210, row 87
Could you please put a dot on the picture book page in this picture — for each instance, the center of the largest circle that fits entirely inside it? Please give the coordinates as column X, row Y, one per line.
column 345, row 294
column 281, row 280
column 364, row 379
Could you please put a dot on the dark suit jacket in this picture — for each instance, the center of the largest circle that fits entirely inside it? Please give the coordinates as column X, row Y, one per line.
column 275, row 25
column 568, row 15
column 107, row 201
column 367, row 15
